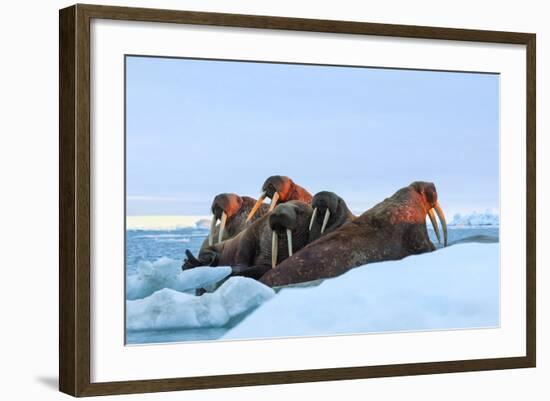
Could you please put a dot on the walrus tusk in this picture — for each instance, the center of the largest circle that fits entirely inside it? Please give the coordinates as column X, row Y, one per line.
column 441, row 216
column 312, row 218
column 222, row 227
column 256, row 206
column 434, row 224
column 274, row 248
column 212, row 227
column 325, row 221
column 289, row 240
column 274, row 201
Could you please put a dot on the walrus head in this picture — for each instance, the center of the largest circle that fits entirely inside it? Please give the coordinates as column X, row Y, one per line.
column 289, row 220
column 329, row 212
column 280, row 189
column 430, row 203
column 224, row 207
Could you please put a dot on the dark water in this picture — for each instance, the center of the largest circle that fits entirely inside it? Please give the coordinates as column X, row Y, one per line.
column 151, row 245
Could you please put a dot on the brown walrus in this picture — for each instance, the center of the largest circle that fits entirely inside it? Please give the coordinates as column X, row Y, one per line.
column 393, row 229
column 329, row 213
column 231, row 210
column 280, row 189
column 265, row 243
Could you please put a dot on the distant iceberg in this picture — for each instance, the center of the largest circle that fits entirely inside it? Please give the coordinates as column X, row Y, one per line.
column 488, row 218
column 203, row 223
column 166, row 222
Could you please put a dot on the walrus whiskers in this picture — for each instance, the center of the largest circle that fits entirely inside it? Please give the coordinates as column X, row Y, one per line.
column 256, row 206
column 434, row 224
column 212, row 227
column 289, row 241
column 441, row 216
column 313, row 216
column 274, row 201
column 325, row 221
column 274, row 248
column 222, row 226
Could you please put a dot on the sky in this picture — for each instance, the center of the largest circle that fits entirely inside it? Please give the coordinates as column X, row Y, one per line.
column 197, row 128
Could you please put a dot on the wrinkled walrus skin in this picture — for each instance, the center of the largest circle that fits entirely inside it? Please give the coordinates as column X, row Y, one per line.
column 250, row 253
column 391, row 230
column 330, row 212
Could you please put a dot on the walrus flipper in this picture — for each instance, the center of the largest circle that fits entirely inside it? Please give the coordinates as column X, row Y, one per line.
column 206, row 258
column 254, row 272
column 191, row 261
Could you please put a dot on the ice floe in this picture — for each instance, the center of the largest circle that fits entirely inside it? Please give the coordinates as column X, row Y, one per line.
column 169, row 309
column 452, row 288
column 166, row 273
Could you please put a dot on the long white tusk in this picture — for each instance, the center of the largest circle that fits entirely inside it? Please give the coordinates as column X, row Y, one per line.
column 212, row 227
column 274, row 248
column 434, row 224
column 256, row 206
column 274, row 201
column 313, row 216
column 222, row 227
column 325, row 221
column 289, row 240
column 441, row 216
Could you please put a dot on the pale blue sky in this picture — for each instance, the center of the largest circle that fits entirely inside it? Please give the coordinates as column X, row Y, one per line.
column 196, row 128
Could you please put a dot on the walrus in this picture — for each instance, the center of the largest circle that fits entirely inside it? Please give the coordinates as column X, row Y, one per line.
column 391, row 230
column 329, row 213
column 231, row 210
column 280, row 189
column 265, row 243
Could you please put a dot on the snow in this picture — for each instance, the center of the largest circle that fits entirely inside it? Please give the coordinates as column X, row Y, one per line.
column 488, row 218
column 165, row 222
column 167, row 273
column 452, row 288
column 169, row 309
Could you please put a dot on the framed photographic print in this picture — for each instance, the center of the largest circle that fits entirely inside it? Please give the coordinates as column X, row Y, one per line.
column 299, row 200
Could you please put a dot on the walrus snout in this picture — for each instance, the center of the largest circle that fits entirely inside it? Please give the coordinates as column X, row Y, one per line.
column 280, row 189
column 277, row 184
column 224, row 206
column 285, row 220
column 283, row 217
column 429, row 194
column 226, row 202
column 325, row 204
column 277, row 188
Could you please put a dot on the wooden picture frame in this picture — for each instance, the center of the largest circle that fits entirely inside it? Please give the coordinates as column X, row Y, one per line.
column 74, row 199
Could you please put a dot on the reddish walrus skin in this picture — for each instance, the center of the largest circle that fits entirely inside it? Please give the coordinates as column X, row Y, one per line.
column 280, row 189
column 236, row 209
column 391, row 230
